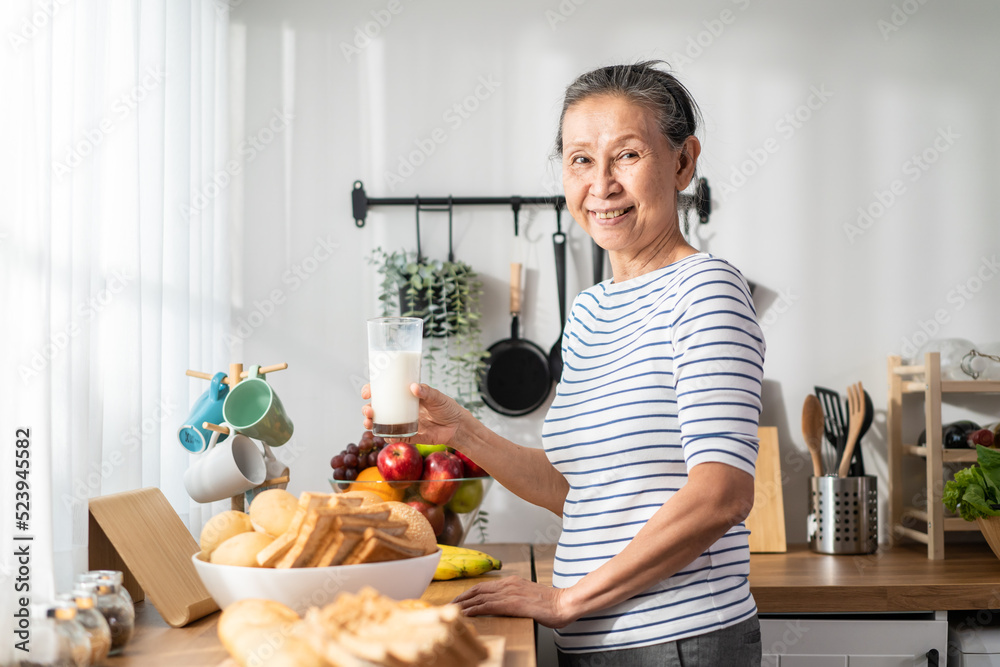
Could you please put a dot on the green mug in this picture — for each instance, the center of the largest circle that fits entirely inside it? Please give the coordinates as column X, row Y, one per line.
column 254, row 410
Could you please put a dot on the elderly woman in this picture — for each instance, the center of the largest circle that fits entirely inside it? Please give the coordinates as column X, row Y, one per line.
column 651, row 440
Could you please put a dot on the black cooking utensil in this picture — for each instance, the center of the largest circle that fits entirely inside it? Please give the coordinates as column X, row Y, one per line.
column 834, row 421
column 597, row 253
column 858, row 461
column 559, row 244
column 516, row 379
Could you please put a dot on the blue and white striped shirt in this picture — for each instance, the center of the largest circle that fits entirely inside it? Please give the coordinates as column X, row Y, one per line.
column 661, row 373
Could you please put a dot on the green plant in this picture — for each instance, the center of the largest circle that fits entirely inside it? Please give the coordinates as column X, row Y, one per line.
column 445, row 295
column 975, row 491
column 481, row 523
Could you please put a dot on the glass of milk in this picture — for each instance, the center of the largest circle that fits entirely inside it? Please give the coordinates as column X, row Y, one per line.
column 394, row 350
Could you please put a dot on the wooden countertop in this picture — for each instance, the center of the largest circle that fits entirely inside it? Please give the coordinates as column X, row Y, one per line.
column 156, row 644
column 891, row 580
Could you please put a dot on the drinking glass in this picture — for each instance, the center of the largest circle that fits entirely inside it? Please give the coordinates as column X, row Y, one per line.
column 394, row 350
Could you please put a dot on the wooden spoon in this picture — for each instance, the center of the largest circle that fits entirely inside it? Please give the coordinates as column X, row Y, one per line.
column 812, row 431
column 856, row 417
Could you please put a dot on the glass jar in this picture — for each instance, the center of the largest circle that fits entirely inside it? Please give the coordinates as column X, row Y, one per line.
column 117, row 610
column 119, row 578
column 48, row 647
column 64, row 611
column 85, row 597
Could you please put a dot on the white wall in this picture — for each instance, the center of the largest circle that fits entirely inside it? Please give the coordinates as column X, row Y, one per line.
column 835, row 300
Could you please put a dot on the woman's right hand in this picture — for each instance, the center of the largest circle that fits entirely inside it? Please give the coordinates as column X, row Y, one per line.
column 440, row 416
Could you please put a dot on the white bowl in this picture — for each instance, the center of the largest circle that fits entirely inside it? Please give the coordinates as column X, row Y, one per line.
column 304, row 587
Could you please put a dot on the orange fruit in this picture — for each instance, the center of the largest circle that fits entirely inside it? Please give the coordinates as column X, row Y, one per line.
column 370, row 479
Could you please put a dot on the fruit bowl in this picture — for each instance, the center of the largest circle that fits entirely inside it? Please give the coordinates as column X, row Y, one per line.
column 459, row 516
column 304, row 587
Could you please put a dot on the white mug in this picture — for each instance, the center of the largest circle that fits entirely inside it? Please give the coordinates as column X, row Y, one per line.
column 226, row 469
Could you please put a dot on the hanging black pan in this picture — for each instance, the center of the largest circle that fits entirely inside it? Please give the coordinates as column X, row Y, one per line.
column 516, row 380
column 559, row 243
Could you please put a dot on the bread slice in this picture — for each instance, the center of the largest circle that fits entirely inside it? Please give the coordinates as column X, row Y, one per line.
column 312, row 537
column 275, row 551
column 376, row 547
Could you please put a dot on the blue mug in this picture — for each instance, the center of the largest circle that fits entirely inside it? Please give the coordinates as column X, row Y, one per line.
column 208, row 408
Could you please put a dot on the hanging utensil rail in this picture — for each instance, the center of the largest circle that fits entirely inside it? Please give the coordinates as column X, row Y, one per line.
column 701, row 201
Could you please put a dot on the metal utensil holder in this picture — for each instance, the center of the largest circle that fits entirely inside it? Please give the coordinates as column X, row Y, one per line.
column 843, row 515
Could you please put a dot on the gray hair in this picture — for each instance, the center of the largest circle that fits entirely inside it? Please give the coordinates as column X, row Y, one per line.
column 644, row 84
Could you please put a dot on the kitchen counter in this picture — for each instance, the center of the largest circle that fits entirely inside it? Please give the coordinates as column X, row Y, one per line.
column 900, row 579
column 156, row 644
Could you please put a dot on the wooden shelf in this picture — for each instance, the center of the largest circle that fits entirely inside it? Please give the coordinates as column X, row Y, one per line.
column 947, row 455
column 925, row 380
column 970, row 387
column 953, row 387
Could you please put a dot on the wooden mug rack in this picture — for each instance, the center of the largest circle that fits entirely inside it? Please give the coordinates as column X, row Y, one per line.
column 237, row 374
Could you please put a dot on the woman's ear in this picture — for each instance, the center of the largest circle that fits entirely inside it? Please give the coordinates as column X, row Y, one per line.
column 687, row 161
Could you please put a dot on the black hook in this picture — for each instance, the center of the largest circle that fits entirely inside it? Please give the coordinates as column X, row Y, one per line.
column 515, row 204
column 451, row 253
column 420, row 257
column 559, row 236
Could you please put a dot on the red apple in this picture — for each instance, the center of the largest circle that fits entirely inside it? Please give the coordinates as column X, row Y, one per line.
column 441, row 472
column 470, row 467
column 433, row 513
column 400, row 462
column 453, row 531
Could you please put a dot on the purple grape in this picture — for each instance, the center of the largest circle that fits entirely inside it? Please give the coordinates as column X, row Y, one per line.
column 380, row 441
column 352, row 449
column 373, row 459
column 339, row 473
column 351, row 460
column 350, row 474
column 337, row 461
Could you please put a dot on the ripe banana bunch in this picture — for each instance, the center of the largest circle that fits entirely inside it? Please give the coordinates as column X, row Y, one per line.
column 457, row 562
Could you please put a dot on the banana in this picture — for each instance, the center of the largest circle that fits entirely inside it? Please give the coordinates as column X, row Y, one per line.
column 447, row 550
column 457, row 562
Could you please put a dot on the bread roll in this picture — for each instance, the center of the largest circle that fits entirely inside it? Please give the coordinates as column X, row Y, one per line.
column 241, row 549
column 419, row 531
column 272, row 511
column 258, row 633
column 221, row 527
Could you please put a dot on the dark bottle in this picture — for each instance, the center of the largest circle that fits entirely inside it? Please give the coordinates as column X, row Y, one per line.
column 955, row 435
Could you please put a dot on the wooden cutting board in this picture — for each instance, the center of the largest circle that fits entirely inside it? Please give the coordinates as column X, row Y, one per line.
column 766, row 522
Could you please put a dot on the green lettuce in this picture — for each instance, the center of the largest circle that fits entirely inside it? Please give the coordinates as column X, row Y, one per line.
column 975, row 491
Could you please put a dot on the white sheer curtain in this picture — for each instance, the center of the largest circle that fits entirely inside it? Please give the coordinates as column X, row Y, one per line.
column 114, row 254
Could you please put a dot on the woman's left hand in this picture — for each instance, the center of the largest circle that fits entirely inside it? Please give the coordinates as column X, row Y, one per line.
column 514, row 596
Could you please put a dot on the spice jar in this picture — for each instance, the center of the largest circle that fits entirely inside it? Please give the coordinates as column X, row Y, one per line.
column 85, row 597
column 116, row 609
column 119, row 579
column 63, row 610
column 49, row 647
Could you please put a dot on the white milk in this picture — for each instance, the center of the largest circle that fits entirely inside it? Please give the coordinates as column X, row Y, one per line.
column 391, row 375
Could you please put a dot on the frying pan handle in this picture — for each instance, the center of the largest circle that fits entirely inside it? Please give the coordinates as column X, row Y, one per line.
column 598, row 255
column 559, row 243
column 515, row 288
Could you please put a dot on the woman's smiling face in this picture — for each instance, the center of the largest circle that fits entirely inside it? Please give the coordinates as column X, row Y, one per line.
column 620, row 174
